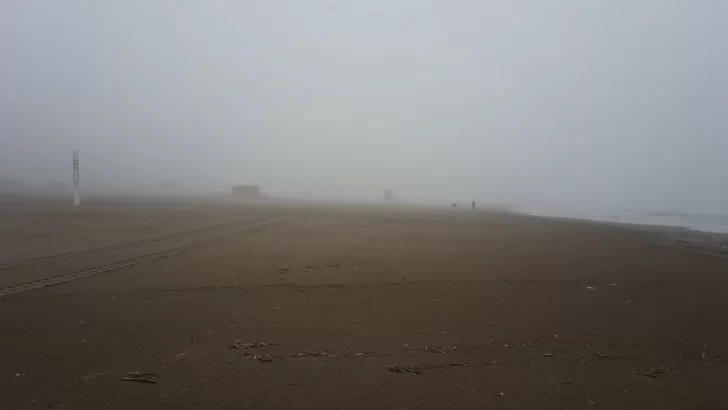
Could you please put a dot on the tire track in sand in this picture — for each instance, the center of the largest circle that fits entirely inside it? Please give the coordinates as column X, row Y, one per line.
column 49, row 258
column 67, row 277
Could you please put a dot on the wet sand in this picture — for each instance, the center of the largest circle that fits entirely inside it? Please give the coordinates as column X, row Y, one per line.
column 363, row 307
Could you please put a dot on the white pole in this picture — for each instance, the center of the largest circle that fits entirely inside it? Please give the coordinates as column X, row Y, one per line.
column 76, row 181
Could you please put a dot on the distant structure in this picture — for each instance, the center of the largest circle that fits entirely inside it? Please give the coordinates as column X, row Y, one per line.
column 388, row 197
column 76, row 181
column 246, row 193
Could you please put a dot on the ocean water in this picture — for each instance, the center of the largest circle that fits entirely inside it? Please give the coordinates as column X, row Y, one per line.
column 698, row 220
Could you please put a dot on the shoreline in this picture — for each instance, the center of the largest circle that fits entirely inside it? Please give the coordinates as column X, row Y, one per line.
column 714, row 243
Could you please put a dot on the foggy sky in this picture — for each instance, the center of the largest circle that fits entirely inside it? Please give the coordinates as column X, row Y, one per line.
column 613, row 103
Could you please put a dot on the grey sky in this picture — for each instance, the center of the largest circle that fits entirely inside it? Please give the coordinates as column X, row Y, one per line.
column 589, row 103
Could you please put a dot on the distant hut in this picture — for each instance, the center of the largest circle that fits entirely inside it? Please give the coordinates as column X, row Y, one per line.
column 246, row 193
column 388, row 197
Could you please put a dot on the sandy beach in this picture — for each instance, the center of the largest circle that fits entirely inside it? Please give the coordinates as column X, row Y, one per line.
column 233, row 306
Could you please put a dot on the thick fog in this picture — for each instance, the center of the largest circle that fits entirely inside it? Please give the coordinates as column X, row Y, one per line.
column 582, row 103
